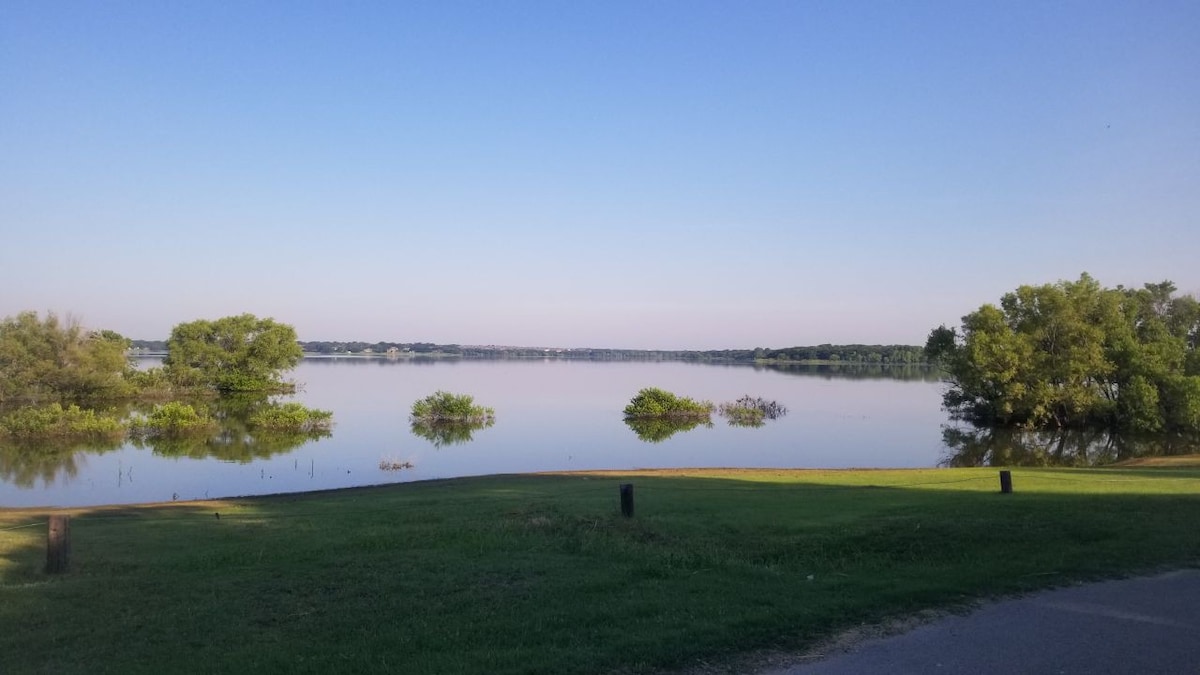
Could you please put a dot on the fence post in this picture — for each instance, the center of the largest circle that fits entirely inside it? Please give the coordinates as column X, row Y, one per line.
column 1005, row 482
column 627, row 500
column 58, row 544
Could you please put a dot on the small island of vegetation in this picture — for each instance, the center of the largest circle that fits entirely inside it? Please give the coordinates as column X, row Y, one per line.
column 656, row 414
column 172, row 419
column 751, row 411
column 292, row 417
column 61, row 382
column 443, row 407
column 655, row 403
column 443, row 418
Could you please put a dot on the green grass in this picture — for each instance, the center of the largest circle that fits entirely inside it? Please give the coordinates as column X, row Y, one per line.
column 540, row 574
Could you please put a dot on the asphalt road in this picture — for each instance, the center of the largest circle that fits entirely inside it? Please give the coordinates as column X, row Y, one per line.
column 1145, row 626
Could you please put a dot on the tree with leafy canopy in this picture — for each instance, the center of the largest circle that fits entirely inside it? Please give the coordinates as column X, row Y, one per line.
column 1077, row 355
column 443, row 418
column 48, row 360
column 442, row 406
column 653, row 402
column 235, row 353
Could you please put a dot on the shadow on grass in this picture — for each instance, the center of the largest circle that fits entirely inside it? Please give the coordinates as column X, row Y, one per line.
column 541, row 574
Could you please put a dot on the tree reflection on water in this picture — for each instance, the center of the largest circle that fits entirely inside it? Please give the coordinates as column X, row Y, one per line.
column 659, row 429
column 445, row 433
column 23, row 463
column 992, row 446
column 235, row 440
column 856, row 371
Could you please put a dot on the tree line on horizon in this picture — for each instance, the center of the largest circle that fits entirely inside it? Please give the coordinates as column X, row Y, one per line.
column 825, row 353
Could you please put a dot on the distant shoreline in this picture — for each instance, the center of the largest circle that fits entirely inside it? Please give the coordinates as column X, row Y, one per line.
column 567, row 356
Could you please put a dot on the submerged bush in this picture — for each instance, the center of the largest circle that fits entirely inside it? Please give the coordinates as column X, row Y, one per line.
column 291, row 417
column 750, row 411
column 387, row 464
column 172, row 419
column 442, row 406
column 653, row 402
column 738, row 416
column 154, row 383
column 55, row 421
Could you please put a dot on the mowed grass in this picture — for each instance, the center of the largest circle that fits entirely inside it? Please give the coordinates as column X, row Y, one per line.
column 541, row 574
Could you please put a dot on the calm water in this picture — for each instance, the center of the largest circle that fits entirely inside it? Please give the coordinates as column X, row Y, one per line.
column 550, row 416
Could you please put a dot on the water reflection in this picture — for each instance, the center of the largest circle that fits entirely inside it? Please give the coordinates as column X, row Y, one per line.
column 235, row 440
column 553, row 416
column 442, row 434
column 857, row 371
column 746, row 422
column 659, row 429
column 23, row 464
column 827, row 371
column 230, row 444
column 972, row 446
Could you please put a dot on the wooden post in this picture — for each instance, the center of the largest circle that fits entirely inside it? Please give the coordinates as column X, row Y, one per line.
column 58, row 545
column 1005, row 482
column 627, row 500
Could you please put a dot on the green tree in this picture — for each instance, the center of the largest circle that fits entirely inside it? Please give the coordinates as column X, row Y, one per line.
column 236, row 353
column 1076, row 355
column 653, row 402
column 940, row 344
column 53, row 361
column 442, row 406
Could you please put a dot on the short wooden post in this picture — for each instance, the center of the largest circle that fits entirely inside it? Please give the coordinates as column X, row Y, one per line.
column 58, row 545
column 1005, row 482
column 627, row 500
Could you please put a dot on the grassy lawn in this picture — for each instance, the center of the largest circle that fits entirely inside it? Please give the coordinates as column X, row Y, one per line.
column 541, row 574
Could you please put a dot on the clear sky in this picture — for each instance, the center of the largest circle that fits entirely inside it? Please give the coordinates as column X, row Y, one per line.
column 617, row 174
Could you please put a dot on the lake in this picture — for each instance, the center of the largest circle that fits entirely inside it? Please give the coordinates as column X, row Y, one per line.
column 552, row 415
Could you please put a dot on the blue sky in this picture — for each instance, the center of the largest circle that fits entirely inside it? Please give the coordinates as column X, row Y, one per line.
column 624, row 174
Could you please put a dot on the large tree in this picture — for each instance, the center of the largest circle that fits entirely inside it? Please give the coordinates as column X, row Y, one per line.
column 48, row 360
column 236, row 353
column 1075, row 354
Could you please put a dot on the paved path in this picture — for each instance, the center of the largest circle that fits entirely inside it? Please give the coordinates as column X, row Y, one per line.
column 1146, row 625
